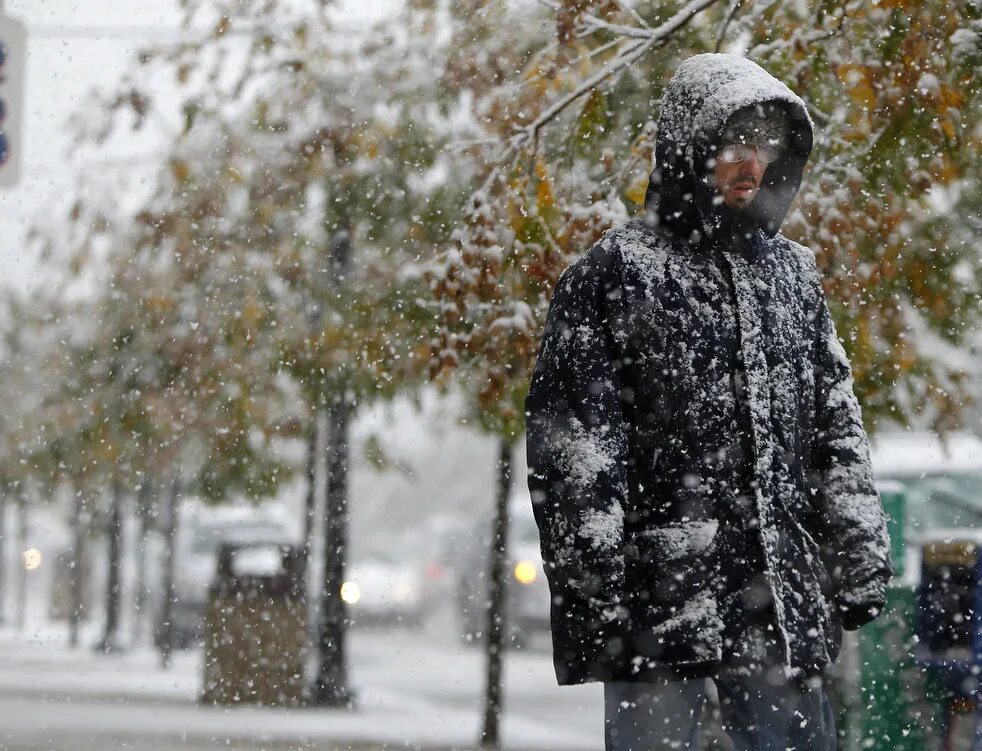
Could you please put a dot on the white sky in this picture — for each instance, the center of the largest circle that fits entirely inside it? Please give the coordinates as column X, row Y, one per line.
column 73, row 47
column 68, row 55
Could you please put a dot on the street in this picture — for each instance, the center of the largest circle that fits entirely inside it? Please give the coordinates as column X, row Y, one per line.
column 415, row 689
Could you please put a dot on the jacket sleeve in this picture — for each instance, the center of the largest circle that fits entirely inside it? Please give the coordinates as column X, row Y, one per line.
column 577, row 448
column 854, row 527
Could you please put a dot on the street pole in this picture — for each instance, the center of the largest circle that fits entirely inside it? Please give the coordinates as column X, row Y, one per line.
column 145, row 498
column 497, row 599
column 77, row 571
column 110, row 637
column 165, row 623
column 310, row 495
column 21, row 570
column 331, row 686
column 3, row 546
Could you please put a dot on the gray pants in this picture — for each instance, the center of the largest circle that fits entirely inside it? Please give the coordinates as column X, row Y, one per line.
column 759, row 714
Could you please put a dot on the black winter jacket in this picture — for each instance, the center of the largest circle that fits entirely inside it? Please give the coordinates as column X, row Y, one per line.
column 689, row 362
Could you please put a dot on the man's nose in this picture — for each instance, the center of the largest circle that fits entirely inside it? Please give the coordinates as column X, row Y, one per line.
column 753, row 164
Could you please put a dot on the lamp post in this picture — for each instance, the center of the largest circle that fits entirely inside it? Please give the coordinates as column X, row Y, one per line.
column 331, row 686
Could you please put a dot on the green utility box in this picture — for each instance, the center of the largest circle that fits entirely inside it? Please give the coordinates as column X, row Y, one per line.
column 895, row 507
column 255, row 629
column 897, row 711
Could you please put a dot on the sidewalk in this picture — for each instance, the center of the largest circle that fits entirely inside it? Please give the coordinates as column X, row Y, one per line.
column 45, row 687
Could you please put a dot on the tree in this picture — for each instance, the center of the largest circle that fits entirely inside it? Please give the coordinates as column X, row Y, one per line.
column 561, row 146
column 888, row 104
column 156, row 364
column 287, row 165
column 485, row 284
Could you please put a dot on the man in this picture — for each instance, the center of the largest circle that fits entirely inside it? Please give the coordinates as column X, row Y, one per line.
column 697, row 460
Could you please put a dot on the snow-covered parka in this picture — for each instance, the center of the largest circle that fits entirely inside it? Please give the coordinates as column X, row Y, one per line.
column 689, row 362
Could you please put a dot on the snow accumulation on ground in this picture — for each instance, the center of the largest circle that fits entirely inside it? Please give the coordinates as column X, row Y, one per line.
column 410, row 694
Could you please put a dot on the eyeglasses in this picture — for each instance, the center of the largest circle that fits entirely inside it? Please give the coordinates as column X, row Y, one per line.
column 734, row 153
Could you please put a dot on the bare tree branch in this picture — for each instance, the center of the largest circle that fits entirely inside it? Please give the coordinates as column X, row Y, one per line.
column 645, row 41
column 632, row 52
column 730, row 13
column 644, row 32
column 592, row 23
column 606, row 47
column 632, row 12
column 763, row 50
column 823, row 117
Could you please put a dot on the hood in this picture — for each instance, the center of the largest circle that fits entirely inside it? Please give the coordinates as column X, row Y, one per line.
column 702, row 96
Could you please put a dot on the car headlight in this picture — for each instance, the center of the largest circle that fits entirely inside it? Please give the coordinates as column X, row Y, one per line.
column 31, row 559
column 350, row 592
column 404, row 592
column 525, row 572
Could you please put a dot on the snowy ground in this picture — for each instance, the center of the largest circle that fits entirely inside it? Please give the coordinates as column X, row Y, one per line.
column 415, row 690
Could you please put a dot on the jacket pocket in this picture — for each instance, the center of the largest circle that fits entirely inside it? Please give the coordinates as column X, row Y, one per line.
column 674, row 597
column 815, row 560
column 819, row 608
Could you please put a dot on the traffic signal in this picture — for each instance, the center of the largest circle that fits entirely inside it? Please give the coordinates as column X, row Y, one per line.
column 13, row 56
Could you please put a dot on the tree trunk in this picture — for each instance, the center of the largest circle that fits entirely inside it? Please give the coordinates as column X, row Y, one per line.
column 3, row 552
column 110, row 636
column 309, row 514
column 165, row 635
column 497, row 596
column 22, row 534
column 310, row 499
column 77, row 581
column 331, row 687
column 144, row 506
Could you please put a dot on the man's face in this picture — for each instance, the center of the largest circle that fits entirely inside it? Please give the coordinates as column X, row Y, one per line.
column 738, row 182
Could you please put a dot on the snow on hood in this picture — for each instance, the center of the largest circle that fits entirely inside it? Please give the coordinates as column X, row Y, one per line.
column 705, row 92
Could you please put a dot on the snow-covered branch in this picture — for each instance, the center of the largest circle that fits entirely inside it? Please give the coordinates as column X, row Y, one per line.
column 592, row 23
column 647, row 40
column 763, row 50
column 730, row 14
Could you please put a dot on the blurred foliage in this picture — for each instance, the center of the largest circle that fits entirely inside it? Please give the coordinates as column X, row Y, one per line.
column 223, row 291
column 893, row 88
column 463, row 154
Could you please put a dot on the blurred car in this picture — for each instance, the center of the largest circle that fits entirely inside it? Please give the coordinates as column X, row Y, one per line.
column 527, row 593
column 200, row 535
column 942, row 483
column 440, row 560
column 381, row 589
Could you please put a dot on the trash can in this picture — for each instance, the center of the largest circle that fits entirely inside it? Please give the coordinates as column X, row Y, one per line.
column 60, row 595
column 255, row 627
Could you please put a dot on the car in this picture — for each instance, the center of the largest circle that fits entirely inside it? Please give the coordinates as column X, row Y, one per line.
column 527, row 593
column 381, row 589
column 438, row 545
